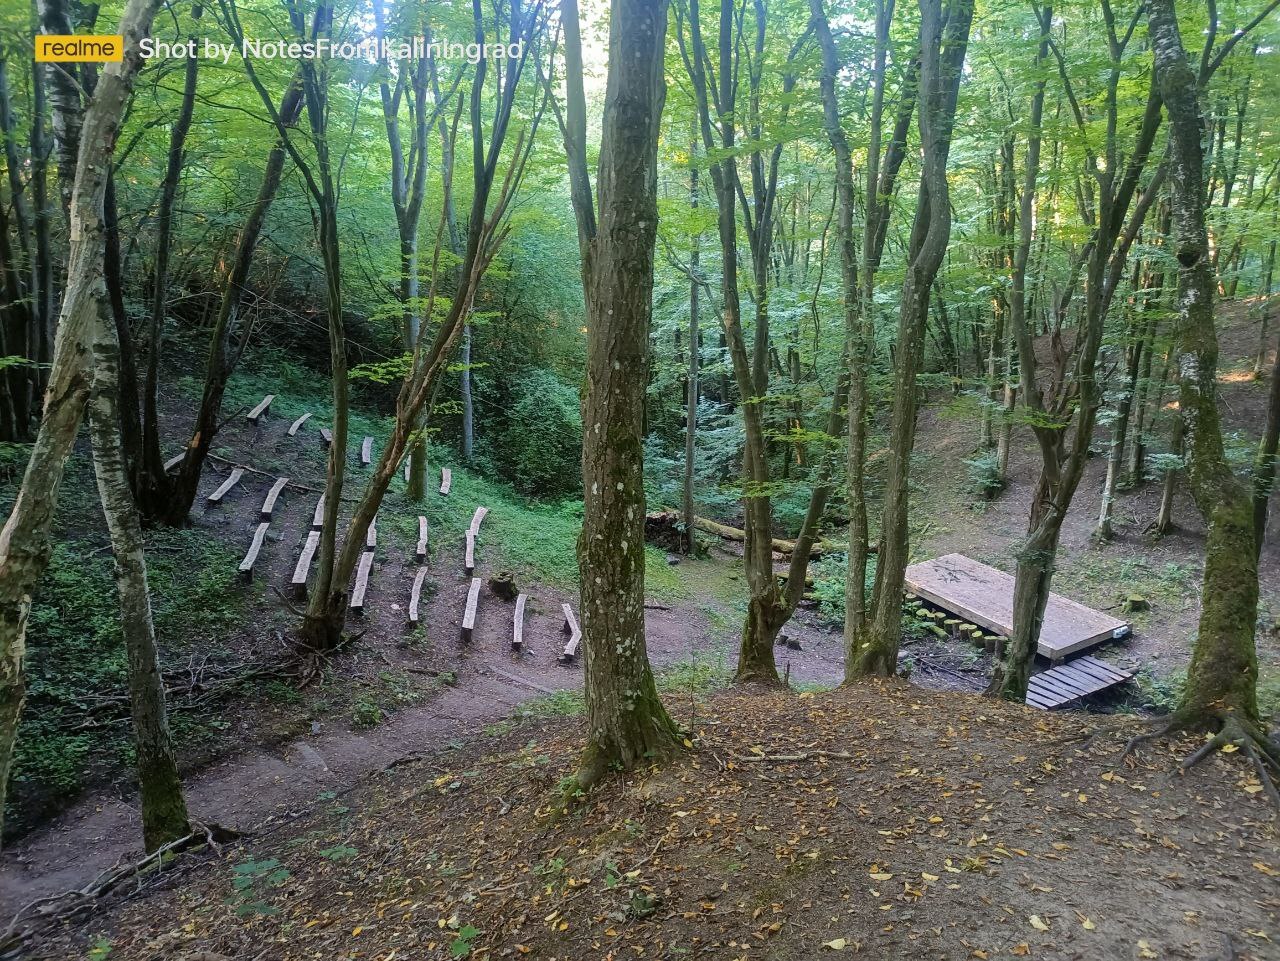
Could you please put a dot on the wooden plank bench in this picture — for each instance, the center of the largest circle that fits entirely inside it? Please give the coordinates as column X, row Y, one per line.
column 366, row 451
column 293, row 428
column 317, row 517
column 255, row 547
column 174, row 461
column 575, row 636
column 273, row 495
column 517, row 631
column 1072, row 681
column 476, row 519
column 302, row 570
column 469, row 564
column 371, row 536
column 415, row 595
column 362, row 582
column 420, row 552
column 446, row 480
column 263, row 406
column 406, row 470
column 473, row 603
column 326, row 435
column 216, row 497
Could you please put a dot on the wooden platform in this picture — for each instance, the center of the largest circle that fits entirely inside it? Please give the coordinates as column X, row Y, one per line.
column 984, row 596
column 1069, row 682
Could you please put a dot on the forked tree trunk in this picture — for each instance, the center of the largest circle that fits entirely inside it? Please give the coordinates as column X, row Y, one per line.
column 1223, row 673
column 24, row 541
column 223, row 350
column 943, row 41
column 164, row 809
column 626, row 722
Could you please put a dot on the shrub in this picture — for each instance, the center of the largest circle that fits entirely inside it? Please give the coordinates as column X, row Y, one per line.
column 542, row 448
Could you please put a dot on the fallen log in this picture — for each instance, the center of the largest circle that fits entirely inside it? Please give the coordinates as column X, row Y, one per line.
column 659, row 521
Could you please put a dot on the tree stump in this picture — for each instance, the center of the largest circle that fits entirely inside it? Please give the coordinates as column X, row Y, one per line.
column 503, row 585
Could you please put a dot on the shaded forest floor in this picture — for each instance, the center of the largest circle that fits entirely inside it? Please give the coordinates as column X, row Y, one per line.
column 881, row 821
column 257, row 749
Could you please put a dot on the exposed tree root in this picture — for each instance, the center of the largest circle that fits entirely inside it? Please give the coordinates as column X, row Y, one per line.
column 1234, row 734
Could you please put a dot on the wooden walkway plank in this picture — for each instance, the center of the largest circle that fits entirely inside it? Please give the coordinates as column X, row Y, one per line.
column 477, row 518
column 1101, row 668
column 273, row 495
column 371, row 536
column 317, row 516
column 415, row 595
column 575, row 636
column 263, row 406
column 226, row 485
column 326, row 435
column 255, row 547
column 446, row 480
column 174, row 461
column 302, row 570
column 517, row 631
column 366, row 451
column 362, row 582
column 983, row 596
column 420, row 552
column 469, row 564
column 473, row 604
column 1072, row 681
column 293, row 428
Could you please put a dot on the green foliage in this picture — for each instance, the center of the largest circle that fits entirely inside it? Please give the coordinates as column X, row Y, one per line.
column 542, row 448
column 252, row 882
column 366, row 713
column 461, row 945
column 985, row 478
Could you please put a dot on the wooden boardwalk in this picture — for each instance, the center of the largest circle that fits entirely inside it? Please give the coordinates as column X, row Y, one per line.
column 984, row 596
column 1072, row 681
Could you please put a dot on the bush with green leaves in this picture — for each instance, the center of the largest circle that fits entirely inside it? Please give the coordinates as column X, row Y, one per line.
column 540, row 452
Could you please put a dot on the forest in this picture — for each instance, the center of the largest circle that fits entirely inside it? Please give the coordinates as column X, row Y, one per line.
column 648, row 478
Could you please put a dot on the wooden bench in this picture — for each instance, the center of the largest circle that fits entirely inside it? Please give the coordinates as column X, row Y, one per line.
column 469, row 615
column 469, row 564
column 317, row 517
column 234, row 479
column 366, row 451
column 371, row 536
column 362, row 582
column 415, row 595
column 293, row 428
column 446, row 480
column 517, row 631
column 174, row 461
column 476, row 519
column 575, row 636
column 326, row 435
column 263, row 406
column 255, row 547
column 273, row 495
column 302, row 570
column 406, row 470
column 420, row 552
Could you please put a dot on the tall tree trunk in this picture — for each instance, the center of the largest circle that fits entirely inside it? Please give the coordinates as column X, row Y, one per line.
column 164, row 809
column 63, row 87
column 224, row 353
column 1222, row 676
column 626, row 722
column 943, row 41
column 24, row 541
column 1260, row 361
column 1264, row 471
column 153, row 479
column 691, row 379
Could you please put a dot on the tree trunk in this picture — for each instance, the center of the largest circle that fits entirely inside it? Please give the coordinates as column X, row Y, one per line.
column 164, row 810
column 626, row 722
column 24, row 541
column 1223, row 673
column 943, row 41
column 153, row 476
column 63, row 86
column 1264, row 471
column 691, row 379
column 223, row 352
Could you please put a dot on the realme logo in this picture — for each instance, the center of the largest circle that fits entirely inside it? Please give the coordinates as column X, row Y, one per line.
column 55, row 48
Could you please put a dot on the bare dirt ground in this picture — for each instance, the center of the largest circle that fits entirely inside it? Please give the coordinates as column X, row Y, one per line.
column 882, row 821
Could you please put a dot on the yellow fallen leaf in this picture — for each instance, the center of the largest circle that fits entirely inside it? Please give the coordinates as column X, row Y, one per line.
column 1144, row 950
column 1021, row 950
column 1038, row 924
column 928, row 877
column 355, row 932
column 1087, row 924
column 839, row 944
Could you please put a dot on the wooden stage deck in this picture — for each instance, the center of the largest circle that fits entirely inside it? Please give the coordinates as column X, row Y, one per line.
column 984, row 596
column 1069, row 682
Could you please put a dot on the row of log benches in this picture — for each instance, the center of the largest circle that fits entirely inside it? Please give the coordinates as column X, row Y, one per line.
column 302, row 569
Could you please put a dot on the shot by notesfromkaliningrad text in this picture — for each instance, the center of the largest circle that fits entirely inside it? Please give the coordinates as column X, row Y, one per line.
column 322, row 48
